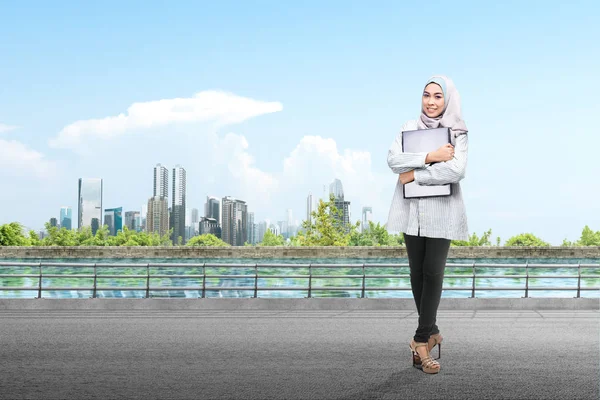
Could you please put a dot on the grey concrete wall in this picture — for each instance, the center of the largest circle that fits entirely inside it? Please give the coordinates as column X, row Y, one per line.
column 291, row 252
column 298, row 304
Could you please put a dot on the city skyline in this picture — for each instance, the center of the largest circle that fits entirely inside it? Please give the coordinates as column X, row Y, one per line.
column 269, row 115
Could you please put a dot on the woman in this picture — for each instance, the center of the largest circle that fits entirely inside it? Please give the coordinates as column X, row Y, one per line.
column 430, row 223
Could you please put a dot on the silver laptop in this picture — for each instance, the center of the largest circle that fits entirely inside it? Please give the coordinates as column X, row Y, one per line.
column 425, row 140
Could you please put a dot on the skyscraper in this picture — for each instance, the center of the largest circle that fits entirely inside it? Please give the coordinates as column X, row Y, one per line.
column 251, row 229
column 89, row 212
column 235, row 221
column 177, row 221
column 157, row 214
column 212, row 208
column 66, row 218
column 133, row 220
column 367, row 215
column 337, row 190
column 161, row 181
column 53, row 222
column 113, row 217
column 157, row 219
column 309, row 208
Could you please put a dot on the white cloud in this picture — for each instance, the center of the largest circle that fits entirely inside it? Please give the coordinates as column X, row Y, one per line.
column 256, row 187
column 314, row 162
column 17, row 159
column 7, row 128
column 218, row 107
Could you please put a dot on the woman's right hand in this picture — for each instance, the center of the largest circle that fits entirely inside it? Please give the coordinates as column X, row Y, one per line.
column 444, row 153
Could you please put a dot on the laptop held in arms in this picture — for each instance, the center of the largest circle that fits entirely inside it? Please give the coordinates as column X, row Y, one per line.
column 425, row 140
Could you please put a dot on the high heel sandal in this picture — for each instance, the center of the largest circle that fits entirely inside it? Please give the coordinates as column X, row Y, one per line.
column 434, row 340
column 428, row 364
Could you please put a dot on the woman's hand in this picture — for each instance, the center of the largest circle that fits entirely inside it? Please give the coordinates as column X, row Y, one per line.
column 407, row 177
column 444, row 153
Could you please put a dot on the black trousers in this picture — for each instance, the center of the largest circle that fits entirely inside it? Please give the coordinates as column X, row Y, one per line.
column 427, row 260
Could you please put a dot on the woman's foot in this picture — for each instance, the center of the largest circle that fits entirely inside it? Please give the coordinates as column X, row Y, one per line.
column 428, row 364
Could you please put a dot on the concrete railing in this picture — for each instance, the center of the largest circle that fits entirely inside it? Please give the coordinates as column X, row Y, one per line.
column 256, row 252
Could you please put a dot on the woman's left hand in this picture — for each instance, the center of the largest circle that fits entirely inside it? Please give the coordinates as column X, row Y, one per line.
column 407, row 177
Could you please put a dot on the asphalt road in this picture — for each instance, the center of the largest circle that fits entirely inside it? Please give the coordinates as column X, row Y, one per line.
column 296, row 354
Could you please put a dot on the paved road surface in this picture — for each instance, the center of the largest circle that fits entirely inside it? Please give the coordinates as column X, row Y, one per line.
column 296, row 354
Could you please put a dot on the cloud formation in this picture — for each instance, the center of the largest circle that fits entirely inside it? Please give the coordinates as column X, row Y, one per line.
column 220, row 108
column 17, row 159
column 7, row 128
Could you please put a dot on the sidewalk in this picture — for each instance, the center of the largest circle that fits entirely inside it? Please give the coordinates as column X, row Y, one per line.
column 295, row 354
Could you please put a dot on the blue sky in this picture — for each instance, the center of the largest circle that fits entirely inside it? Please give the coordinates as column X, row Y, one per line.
column 301, row 93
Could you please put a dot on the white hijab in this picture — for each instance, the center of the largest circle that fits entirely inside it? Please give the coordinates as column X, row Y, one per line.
column 450, row 116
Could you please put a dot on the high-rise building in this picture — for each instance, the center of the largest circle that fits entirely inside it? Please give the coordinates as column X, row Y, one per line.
column 143, row 215
column 133, row 220
column 209, row 225
column 337, row 190
column 195, row 216
column 212, row 208
column 95, row 225
column 66, row 218
column 367, row 215
column 113, row 218
column 177, row 220
column 235, row 221
column 53, row 222
column 90, row 203
column 161, row 181
column 251, row 229
column 309, row 208
column 262, row 228
column 157, row 219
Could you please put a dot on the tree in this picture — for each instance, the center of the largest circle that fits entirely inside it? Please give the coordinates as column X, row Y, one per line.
column 475, row 240
column 526, row 239
column 270, row 239
column 206, row 239
column 59, row 237
column 375, row 235
column 589, row 237
column 12, row 235
column 326, row 230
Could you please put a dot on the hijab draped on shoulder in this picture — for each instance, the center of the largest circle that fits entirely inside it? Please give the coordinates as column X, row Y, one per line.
column 451, row 116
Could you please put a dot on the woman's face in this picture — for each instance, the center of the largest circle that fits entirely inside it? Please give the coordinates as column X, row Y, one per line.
column 433, row 100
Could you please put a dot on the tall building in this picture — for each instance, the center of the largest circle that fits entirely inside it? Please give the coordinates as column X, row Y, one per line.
column 161, row 181
column 251, row 229
column 367, row 215
column 337, row 190
column 66, row 218
column 133, row 221
column 89, row 212
column 209, row 225
column 53, row 222
column 195, row 216
column 177, row 220
column 143, row 215
column 235, row 221
column 212, row 208
column 262, row 228
column 157, row 219
column 113, row 218
column 309, row 208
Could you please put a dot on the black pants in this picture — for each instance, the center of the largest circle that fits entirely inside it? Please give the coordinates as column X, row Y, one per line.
column 427, row 259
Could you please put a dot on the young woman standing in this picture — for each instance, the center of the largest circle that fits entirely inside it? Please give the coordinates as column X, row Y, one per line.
column 430, row 223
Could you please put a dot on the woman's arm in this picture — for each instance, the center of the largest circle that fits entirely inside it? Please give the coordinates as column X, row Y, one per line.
column 451, row 171
column 401, row 162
